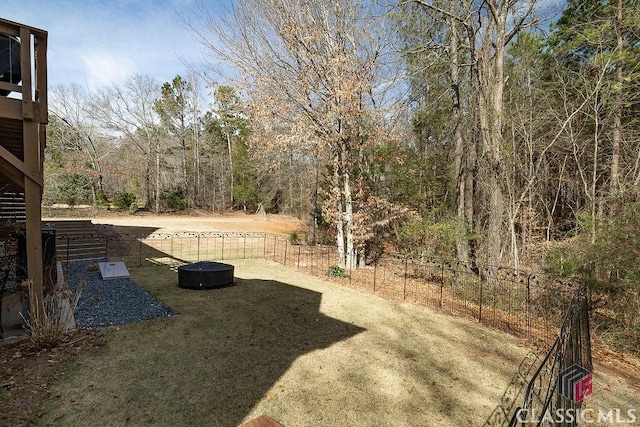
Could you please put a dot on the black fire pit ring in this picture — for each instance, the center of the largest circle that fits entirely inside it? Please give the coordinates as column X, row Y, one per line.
column 205, row 275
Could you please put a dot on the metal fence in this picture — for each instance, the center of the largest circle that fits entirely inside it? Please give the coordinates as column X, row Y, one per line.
column 554, row 392
column 521, row 303
column 549, row 311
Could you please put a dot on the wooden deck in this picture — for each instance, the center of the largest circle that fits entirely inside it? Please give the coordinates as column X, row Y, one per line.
column 23, row 120
column 11, row 153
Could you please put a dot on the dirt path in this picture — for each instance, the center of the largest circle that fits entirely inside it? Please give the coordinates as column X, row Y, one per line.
column 275, row 224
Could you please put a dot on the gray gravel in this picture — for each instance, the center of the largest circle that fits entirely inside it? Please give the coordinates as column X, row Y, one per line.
column 110, row 302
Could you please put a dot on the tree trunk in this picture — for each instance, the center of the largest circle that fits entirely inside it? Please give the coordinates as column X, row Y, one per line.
column 185, row 177
column 337, row 194
column 291, row 204
column 313, row 209
column 617, row 112
column 147, row 178
column 489, row 87
column 462, row 244
column 157, row 176
column 471, row 162
column 348, row 219
column 196, row 167
column 230, row 167
column 594, row 171
column 513, row 238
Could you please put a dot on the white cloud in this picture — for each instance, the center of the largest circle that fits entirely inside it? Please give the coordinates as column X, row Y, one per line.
column 96, row 42
column 104, row 68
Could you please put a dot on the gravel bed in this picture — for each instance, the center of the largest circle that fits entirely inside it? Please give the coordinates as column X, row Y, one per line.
column 110, row 302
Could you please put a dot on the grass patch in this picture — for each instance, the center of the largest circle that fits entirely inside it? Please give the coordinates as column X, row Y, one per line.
column 294, row 347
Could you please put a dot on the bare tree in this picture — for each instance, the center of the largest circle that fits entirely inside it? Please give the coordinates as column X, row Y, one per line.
column 127, row 111
column 313, row 59
column 196, row 129
column 72, row 105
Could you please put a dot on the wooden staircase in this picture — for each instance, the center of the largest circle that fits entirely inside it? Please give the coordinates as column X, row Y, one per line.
column 78, row 239
column 12, row 207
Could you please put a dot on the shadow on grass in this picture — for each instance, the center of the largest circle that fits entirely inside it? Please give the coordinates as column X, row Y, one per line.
column 259, row 331
column 209, row 366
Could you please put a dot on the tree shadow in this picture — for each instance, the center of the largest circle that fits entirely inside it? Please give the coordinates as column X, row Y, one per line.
column 132, row 245
column 211, row 365
column 250, row 334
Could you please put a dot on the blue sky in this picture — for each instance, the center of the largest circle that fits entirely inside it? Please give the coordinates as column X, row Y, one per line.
column 96, row 42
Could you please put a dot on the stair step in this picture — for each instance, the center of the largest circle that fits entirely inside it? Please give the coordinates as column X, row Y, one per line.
column 78, row 239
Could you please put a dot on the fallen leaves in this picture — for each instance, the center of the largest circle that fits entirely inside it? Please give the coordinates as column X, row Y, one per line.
column 26, row 375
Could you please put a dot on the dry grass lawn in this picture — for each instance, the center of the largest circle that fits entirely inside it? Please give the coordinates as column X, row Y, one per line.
column 301, row 350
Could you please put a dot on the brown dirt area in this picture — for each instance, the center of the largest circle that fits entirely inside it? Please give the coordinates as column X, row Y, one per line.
column 282, row 225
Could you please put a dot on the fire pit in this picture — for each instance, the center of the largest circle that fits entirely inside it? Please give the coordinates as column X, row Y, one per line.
column 205, row 275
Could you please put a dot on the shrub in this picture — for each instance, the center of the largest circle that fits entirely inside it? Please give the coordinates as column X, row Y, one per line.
column 101, row 198
column 294, row 239
column 123, row 200
column 336, row 271
column 133, row 208
column 172, row 197
column 606, row 259
column 73, row 189
column 434, row 238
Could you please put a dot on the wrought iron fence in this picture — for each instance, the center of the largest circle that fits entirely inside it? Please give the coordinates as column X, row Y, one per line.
column 553, row 394
column 521, row 303
column 547, row 310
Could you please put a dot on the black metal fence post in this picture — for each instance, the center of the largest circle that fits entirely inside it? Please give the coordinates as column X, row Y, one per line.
column 441, row 284
column 481, row 293
column 528, row 306
column 375, row 271
column 275, row 244
column 404, row 286
column 481, row 299
column 286, row 245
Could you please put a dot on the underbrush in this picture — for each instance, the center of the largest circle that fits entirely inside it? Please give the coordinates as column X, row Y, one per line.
column 607, row 259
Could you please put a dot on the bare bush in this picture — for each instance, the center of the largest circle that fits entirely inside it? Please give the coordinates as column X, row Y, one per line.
column 49, row 318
